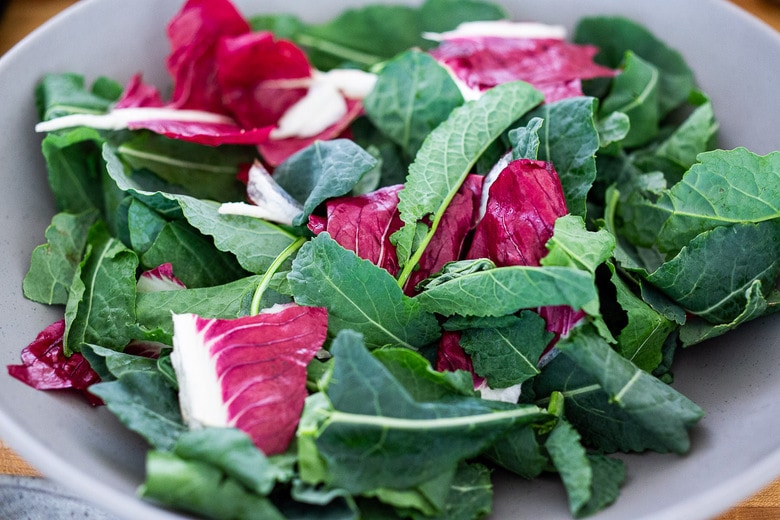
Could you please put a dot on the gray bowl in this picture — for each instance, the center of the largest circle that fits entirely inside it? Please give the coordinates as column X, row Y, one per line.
column 736, row 378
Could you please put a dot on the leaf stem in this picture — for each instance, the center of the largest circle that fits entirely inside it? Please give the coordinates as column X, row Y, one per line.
column 265, row 280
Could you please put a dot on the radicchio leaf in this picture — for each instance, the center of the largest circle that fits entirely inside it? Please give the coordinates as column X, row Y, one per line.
column 194, row 34
column 260, row 77
column 248, row 372
column 522, row 205
column 161, row 278
column 46, row 367
column 553, row 66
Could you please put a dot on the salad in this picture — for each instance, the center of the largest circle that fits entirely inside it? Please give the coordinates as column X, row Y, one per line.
column 350, row 269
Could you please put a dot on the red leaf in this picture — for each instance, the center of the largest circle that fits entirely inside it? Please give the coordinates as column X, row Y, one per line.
column 45, row 366
column 251, row 370
column 194, row 33
column 553, row 66
column 254, row 72
column 523, row 204
column 451, row 357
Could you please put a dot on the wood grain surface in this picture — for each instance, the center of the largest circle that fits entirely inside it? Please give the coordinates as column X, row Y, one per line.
column 23, row 16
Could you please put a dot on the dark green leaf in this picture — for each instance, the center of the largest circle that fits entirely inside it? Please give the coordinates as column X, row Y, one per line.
column 321, row 171
column 723, row 188
column 74, row 165
column 635, row 93
column 202, row 171
column 712, row 276
column 613, row 36
column 658, row 408
column 146, row 404
column 412, row 96
column 62, row 94
column 507, row 356
column 196, row 262
column 359, row 296
column 377, row 436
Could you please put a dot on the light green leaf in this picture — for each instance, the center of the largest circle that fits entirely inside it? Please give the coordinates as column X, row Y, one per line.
column 505, row 290
column 101, row 303
column 53, row 264
column 200, row 488
column 725, row 187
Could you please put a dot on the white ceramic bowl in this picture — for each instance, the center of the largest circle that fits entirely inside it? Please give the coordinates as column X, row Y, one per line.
column 736, row 449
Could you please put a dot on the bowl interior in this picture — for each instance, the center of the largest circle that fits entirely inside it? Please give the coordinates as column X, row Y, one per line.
column 734, row 378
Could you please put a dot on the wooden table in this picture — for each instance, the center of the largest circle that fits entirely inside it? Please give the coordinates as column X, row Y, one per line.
column 22, row 16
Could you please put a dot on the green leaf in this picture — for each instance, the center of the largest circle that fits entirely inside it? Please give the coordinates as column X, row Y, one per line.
column 377, row 436
column 507, row 356
column 255, row 242
column 612, row 129
column 444, row 15
column 680, row 150
column 226, row 301
column 113, row 364
column 323, row 170
column 196, row 262
column 412, row 96
column 613, row 36
column 642, row 339
column 525, row 140
column 204, row 172
column 470, row 495
column 146, row 404
column 199, row 487
column 74, row 167
column 635, row 93
column 574, row 246
column 570, row 459
column 505, row 290
column 712, row 275
column 101, row 303
column 519, row 452
column 359, row 296
column 144, row 225
column 233, row 452
column 446, row 158
column 570, row 141
column 53, row 264
column 58, row 95
column 370, row 34
column 651, row 404
column 723, row 188
column 696, row 330
column 417, row 376
column 608, row 476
